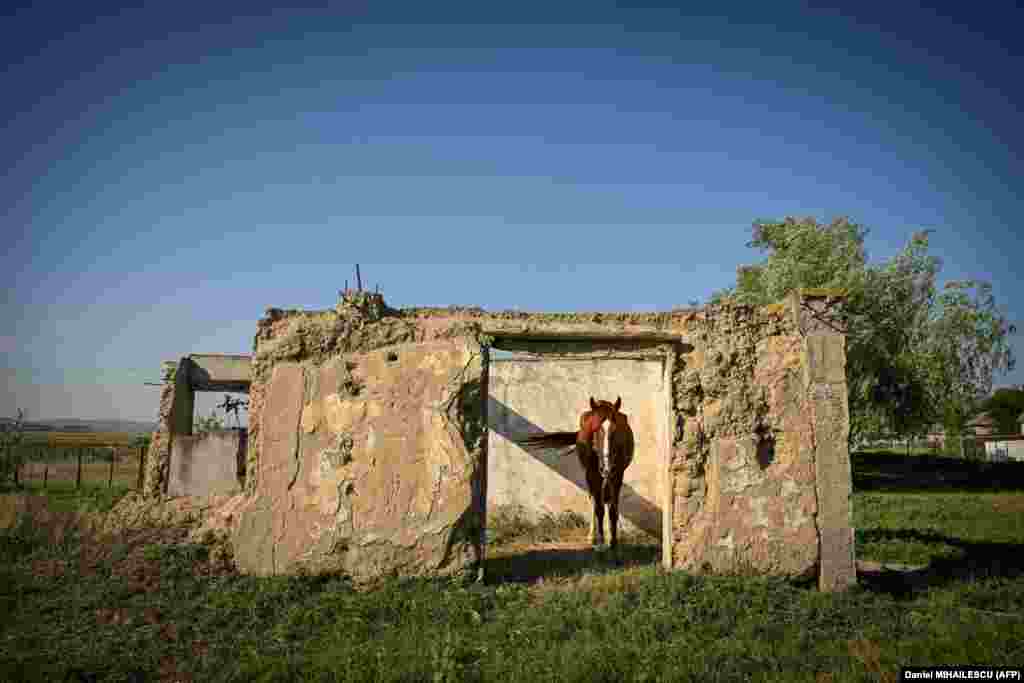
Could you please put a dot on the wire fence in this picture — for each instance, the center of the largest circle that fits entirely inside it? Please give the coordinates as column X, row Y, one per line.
column 58, row 466
column 982, row 448
column 64, row 466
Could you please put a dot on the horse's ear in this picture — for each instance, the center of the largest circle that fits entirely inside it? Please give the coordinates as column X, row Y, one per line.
column 618, row 403
column 593, row 406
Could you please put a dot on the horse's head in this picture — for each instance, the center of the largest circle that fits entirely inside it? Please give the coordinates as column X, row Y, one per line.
column 605, row 410
column 602, row 421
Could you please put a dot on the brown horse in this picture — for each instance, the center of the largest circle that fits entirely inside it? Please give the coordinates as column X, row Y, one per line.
column 604, row 444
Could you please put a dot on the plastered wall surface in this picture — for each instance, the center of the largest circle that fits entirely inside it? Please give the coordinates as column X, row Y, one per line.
column 548, row 393
column 370, row 462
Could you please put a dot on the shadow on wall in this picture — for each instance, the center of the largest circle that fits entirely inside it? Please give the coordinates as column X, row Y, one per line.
column 505, row 421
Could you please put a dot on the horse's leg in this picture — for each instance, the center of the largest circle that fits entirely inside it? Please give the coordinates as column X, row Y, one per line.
column 614, row 489
column 597, row 513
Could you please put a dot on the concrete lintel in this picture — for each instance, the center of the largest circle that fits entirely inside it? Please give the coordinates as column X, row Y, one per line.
column 520, row 341
column 540, row 357
column 587, row 336
column 220, row 372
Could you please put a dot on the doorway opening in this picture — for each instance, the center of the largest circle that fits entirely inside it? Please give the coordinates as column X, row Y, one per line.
column 538, row 509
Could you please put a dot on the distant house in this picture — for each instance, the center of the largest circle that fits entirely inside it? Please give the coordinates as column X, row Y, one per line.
column 1007, row 448
column 982, row 425
column 998, row 447
column 936, row 436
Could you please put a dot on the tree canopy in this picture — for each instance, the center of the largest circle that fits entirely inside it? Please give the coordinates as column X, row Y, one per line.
column 915, row 355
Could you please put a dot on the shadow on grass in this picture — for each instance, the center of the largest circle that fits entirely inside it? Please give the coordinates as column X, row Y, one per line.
column 974, row 561
column 533, row 564
column 891, row 471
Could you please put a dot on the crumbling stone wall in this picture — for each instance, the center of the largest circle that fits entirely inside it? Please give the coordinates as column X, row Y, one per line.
column 735, row 502
column 175, row 401
column 756, row 437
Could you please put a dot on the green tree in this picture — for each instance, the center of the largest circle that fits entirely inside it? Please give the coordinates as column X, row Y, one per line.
column 211, row 423
column 914, row 356
column 966, row 344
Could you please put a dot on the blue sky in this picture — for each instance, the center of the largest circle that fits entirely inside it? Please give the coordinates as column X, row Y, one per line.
column 175, row 168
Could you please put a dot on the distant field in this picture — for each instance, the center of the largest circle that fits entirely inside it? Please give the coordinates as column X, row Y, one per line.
column 80, row 438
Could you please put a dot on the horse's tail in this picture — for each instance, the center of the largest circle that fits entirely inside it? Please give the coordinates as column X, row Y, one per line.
column 547, row 440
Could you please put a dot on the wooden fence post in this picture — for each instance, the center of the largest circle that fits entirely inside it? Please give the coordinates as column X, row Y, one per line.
column 46, row 474
column 142, row 455
column 78, row 474
column 110, row 479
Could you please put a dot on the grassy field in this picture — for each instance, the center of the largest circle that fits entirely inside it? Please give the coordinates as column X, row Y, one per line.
column 149, row 607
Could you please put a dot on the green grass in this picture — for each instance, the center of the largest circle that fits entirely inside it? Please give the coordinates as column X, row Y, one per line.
column 915, row 528
column 552, row 609
column 63, row 496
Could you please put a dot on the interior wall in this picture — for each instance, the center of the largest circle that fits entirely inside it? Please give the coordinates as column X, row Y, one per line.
column 207, row 464
column 548, row 393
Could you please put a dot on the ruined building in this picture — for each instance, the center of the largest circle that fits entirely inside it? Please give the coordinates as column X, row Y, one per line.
column 379, row 438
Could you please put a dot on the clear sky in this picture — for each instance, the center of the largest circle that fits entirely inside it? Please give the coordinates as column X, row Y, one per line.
column 172, row 169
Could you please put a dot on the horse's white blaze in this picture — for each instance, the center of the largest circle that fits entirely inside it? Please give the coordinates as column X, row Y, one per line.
column 605, row 453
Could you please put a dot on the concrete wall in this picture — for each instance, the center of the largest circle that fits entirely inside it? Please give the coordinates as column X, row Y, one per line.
column 368, row 463
column 548, row 393
column 207, row 464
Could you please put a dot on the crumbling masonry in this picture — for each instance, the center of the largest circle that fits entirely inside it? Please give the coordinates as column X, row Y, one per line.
column 367, row 443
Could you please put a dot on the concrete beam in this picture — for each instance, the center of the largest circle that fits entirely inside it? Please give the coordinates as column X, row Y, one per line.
column 601, row 336
column 220, row 372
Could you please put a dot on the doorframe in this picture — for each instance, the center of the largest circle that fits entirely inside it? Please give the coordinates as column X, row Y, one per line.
column 664, row 346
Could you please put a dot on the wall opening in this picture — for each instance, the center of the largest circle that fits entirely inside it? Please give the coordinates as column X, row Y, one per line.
column 543, row 385
column 209, row 430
